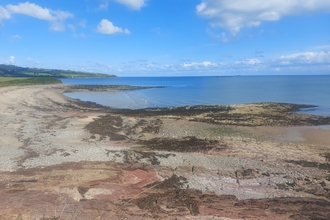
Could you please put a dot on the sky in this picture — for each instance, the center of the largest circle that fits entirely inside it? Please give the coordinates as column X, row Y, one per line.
column 168, row 37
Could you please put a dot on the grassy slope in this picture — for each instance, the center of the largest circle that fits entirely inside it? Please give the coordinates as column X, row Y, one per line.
column 13, row 81
column 16, row 71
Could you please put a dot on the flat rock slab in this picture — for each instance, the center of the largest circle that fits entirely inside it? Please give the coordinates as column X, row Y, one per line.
column 89, row 190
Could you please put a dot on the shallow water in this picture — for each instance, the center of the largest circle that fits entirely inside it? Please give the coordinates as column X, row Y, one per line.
column 182, row 91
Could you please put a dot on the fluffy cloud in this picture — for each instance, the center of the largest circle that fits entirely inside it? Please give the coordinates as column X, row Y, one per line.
column 36, row 11
column 305, row 58
column 106, row 27
column 56, row 18
column 4, row 13
column 236, row 14
column 11, row 60
column 133, row 4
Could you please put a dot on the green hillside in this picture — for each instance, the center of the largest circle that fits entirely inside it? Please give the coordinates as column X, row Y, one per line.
column 15, row 71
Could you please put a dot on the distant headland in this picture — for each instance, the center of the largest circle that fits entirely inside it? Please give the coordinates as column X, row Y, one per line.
column 16, row 71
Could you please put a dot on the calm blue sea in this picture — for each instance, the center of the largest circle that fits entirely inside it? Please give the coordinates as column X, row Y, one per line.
column 182, row 91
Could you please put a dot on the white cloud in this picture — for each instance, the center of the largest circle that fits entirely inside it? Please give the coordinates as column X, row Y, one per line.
column 103, row 5
column 308, row 63
column 11, row 60
column 304, row 58
column 248, row 62
column 311, row 62
column 4, row 13
column 133, row 4
column 106, row 27
column 57, row 26
column 56, row 18
column 199, row 64
column 33, row 10
column 236, row 14
column 33, row 62
column 223, row 37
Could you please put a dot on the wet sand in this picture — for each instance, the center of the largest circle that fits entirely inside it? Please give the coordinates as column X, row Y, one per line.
column 72, row 160
column 316, row 135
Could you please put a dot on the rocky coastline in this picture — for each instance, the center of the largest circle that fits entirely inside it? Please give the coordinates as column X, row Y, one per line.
column 66, row 159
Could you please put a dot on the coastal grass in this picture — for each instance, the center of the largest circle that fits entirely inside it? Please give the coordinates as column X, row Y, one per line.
column 15, row 81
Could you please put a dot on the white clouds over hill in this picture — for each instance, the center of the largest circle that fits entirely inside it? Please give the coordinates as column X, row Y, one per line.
column 236, row 14
column 304, row 62
column 11, row 60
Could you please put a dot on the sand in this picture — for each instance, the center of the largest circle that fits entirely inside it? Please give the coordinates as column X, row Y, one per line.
column 66, row 159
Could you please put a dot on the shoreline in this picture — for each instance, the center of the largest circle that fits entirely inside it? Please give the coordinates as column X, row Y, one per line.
column 294, row 108
column 286, row 133
column 136, row 100
column 186, row 162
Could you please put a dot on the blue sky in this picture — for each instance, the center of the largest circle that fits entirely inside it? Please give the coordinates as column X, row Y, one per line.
column 168, row 37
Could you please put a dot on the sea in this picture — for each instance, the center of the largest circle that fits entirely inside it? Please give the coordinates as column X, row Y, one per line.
column 210, row 90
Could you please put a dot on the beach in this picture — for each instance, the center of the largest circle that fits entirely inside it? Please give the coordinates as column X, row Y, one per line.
column 68, row 159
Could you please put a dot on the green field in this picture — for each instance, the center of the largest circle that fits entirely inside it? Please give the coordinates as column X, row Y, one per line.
column 17, row 81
